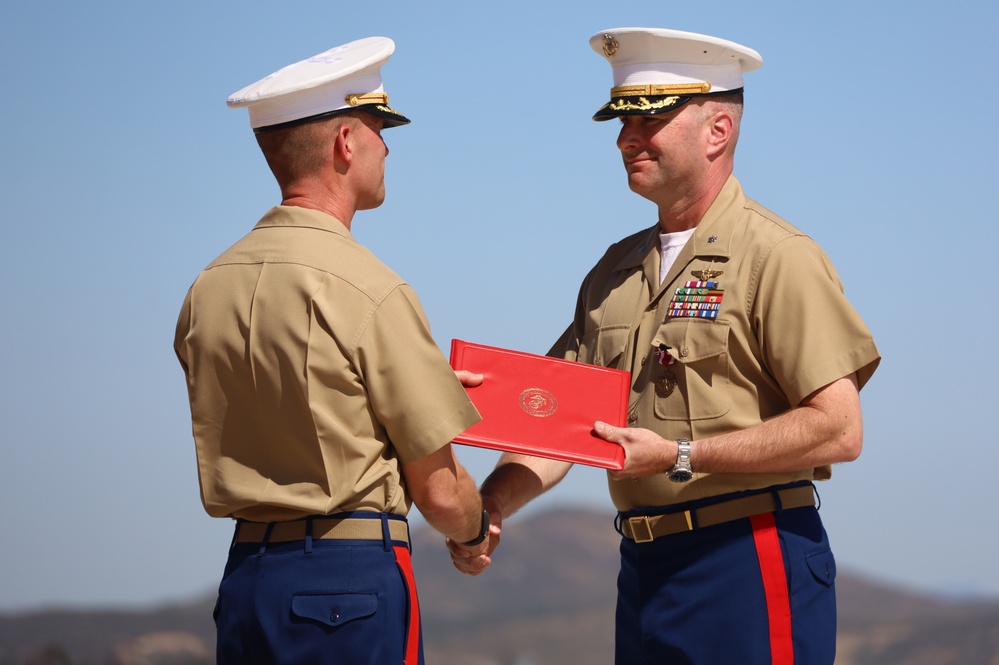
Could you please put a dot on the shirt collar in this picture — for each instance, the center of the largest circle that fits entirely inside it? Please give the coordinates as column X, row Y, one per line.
column 307, row 218
column 713, row 236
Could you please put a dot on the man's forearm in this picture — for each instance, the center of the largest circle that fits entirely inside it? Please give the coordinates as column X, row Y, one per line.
column 445, row 494
column 455, row 508
column 825, row 429
column 518, row 479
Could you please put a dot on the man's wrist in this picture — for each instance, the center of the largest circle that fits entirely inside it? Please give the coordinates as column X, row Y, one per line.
column 492, row 504
column 681, row 471
column 483, row 531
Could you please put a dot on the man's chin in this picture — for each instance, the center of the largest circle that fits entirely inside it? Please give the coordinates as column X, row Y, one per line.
column 373, row 203
column 638, row 186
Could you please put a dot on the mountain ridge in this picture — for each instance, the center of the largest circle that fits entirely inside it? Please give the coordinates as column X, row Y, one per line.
column 548, row 599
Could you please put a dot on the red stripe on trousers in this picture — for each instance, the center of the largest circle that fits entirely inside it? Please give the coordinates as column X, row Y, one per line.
column 775, row 587
column 405, row 564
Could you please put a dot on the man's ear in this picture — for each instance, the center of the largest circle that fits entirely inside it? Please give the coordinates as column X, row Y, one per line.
column 343, row 149
column 721, row 130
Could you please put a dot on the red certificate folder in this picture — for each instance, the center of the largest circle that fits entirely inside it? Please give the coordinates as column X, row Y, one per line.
column 542, row 406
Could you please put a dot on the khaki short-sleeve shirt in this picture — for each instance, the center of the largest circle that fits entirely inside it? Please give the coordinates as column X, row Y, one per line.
column 783, row 329
column 312, row 374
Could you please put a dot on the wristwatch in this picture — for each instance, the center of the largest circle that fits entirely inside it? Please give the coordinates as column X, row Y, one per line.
column 681, row 473
column 483, row 531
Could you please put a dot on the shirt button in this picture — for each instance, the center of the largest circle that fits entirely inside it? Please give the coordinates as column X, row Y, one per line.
column 643, row 361
column 684, row 352
column 335, row 616
column 632, row 418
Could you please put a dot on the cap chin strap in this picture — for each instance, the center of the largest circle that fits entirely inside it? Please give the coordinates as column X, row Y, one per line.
column 369, row 98
column 660, row 89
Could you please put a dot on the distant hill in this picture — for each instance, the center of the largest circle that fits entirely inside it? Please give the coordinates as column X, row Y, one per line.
column 548, row 599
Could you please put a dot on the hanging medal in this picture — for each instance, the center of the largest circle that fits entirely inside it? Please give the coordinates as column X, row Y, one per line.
column 666, row 381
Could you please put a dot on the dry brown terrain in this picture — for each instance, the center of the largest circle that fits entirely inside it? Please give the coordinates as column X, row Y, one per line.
column 548, row 600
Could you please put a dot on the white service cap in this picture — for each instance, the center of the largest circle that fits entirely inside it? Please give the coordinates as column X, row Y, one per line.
column 341, row 79
column 657, row 70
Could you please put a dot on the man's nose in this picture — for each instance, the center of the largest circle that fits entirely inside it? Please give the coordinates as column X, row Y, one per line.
column 627, row 138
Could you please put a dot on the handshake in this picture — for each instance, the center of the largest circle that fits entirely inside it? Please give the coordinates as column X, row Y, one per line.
column 519, row 479
column 474, row 556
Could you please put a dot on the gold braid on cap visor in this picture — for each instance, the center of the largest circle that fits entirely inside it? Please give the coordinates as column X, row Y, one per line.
column 640, row 104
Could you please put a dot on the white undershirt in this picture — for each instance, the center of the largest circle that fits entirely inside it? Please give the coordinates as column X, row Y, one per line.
column 671, row 244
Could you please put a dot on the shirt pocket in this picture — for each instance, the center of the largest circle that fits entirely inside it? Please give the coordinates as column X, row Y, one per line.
column 605, row 346
column 700, row 348
column 334, row 609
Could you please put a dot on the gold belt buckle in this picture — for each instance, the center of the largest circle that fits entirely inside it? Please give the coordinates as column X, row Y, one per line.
column 641, row 530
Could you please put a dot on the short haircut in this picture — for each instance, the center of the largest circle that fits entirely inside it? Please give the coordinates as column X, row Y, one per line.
column 301, row 150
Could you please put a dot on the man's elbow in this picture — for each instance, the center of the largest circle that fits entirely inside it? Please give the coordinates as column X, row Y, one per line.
column 852, row 448
column 843, row 419
column 850, row 442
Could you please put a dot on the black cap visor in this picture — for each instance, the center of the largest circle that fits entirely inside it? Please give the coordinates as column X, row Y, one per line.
column 652, row 104
column 644, row 105
column 391, row 117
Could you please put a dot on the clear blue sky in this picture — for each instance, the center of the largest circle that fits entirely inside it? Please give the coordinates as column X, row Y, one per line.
column 124, row 173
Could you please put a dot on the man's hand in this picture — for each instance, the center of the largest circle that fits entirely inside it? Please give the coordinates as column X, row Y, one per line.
column 645, row 452
column 473, row 560
column 468, row 379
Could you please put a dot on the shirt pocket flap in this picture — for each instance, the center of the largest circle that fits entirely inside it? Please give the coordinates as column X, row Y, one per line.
column 334, row 609
column 605, row 346
column 692, row 340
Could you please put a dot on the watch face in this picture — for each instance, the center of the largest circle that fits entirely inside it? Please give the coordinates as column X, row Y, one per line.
column 680, row 476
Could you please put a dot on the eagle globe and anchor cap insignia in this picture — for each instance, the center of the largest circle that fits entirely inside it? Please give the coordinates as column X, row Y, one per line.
column 610, row 46
column 538, row 402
